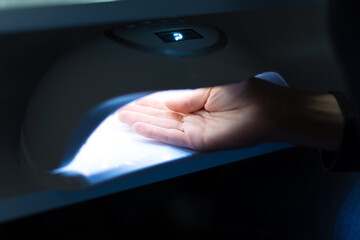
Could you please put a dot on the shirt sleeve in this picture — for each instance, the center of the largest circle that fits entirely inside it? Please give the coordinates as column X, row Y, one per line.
column 347, row 159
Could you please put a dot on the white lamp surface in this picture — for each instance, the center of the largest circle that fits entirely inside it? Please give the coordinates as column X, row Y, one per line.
column 113, row 148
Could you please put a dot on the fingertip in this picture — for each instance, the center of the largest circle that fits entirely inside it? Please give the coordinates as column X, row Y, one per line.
column 120, row 115
column 138, row 127
column 141, row 101
column 153, row 103
column 145, row 102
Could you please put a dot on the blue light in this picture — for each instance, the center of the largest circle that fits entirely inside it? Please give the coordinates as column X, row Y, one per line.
column 178, row 36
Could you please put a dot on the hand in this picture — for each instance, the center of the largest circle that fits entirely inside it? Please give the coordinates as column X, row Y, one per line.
column 238, row 115
column 206, row 119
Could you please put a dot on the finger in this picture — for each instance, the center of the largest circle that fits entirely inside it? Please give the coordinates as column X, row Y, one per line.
column 130, row 118
column 153, row 112
column 191, row 102
column 165, row 135
column 148, row 102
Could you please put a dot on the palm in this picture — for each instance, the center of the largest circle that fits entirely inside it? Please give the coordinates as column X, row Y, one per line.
column 219, row 130
column 207, row 119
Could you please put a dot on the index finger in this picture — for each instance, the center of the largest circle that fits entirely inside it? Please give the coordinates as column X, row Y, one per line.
column 148, row 102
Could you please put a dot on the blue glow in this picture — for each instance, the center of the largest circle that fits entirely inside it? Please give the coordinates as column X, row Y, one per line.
column 178, row 36
column 273, row 77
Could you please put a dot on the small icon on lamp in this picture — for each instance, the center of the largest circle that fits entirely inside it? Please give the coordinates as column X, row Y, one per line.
column 178, row 36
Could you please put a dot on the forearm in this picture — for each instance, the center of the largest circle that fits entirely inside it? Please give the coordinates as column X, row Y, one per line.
column 309, row 119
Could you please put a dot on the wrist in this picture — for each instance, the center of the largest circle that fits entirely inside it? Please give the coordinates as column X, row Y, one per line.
column 308, row 119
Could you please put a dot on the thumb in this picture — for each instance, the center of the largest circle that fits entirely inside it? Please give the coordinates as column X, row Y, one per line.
column 190, row 102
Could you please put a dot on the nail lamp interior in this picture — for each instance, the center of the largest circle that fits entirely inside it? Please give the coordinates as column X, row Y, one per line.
column 113, row 149
column 71, row 138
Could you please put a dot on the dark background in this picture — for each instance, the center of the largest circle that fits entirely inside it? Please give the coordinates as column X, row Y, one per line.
column 283, row 195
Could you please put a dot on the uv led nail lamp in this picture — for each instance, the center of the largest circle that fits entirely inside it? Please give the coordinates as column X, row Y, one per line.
column 87, row 85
